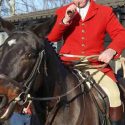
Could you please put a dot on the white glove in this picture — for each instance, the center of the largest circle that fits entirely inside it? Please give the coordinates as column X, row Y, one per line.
column 107, row 55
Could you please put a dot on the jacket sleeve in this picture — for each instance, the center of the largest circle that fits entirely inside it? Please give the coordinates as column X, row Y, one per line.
column 59, row 28
column 117, row 34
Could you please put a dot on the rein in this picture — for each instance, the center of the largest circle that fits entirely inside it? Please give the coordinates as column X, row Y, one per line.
column 83, row 61
column 57, row 97
column 81, row 80
column 29, row 82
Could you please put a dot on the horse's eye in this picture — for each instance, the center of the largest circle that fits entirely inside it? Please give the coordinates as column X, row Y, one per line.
column 30, row 55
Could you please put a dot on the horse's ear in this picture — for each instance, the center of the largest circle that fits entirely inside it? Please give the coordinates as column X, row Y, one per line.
column 41, row 30
column 6, row 26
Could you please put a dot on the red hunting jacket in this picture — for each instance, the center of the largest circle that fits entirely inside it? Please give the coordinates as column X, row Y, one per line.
column 86, row 37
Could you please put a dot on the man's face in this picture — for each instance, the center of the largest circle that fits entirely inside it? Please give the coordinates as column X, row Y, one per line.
column 80, row 3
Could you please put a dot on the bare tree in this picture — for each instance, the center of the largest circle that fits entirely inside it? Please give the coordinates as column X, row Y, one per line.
column 21, row 6
column 29, row 5
column 54, row 3
column 11, row 4
column 1, row 5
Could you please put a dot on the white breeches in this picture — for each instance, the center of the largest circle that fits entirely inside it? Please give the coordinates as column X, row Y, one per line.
column 109, row 86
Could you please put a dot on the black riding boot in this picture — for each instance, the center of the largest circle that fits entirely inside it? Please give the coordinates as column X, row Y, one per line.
column 116, row 115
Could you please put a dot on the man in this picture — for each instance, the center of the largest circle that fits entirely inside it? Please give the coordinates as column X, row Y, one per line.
column 83, row 25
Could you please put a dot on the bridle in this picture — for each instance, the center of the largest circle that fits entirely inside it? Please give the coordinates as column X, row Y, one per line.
column 22, row 98
column 36, row 70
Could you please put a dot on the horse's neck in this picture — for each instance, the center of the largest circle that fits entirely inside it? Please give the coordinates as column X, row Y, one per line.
column 55, row 68
column 56, row 71
column 61, row 77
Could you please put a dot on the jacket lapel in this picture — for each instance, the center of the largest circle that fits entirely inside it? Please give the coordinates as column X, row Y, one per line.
column 92, row 11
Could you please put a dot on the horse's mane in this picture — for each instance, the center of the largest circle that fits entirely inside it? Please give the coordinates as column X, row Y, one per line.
column 56, row 71
column 50, row 50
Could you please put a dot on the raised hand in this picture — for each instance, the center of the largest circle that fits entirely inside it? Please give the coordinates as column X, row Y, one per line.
column 70, row 11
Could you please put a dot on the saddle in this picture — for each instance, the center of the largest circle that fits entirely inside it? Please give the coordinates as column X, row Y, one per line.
column 97, row 94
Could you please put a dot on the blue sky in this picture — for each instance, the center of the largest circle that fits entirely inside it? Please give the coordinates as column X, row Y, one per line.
column 41, row 4
column 38, row 5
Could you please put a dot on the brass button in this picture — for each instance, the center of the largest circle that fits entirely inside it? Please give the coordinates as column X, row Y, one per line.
column 83, row 24
column 83, row 38
column 83, row 31
column 83, row 44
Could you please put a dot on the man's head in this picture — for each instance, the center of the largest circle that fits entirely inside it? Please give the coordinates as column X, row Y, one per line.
column 80, row 3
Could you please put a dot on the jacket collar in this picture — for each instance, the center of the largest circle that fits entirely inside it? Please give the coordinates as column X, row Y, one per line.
column 92, row 10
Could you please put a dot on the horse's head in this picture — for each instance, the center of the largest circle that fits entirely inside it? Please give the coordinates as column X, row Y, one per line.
column 20, row 60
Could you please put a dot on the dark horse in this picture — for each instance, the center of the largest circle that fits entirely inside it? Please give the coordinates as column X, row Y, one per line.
column 29, row 65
